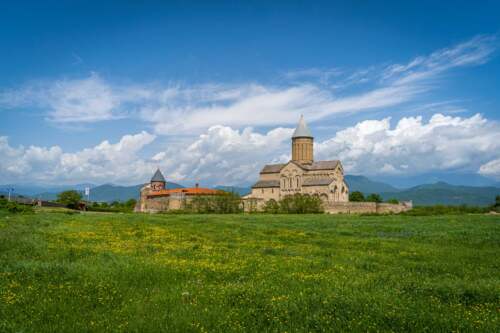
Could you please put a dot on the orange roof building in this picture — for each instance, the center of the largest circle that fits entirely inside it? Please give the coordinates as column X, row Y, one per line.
column 156, row 197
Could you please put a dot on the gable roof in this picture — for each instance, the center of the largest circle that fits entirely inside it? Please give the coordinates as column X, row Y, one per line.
column 322, row 165
column 318, row 165
column 302, row 131
column 266, row 183
column 272, row 168
column 158, row 177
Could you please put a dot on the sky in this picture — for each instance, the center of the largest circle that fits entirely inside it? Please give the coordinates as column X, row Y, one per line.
column 405, row 92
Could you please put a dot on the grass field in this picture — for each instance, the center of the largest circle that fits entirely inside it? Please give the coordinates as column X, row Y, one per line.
column 198, row 273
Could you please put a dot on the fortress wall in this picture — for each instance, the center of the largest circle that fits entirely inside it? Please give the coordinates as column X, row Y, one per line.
column 366, row 207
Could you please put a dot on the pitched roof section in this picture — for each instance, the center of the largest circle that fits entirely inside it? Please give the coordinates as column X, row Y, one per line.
column 272, row 168
column 266, row 183
column 158, row 177
column 317, row 165
column 302, row 131
column 322, row 165
column 317, row 182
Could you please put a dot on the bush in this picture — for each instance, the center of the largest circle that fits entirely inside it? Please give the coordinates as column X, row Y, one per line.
column 14, row 207
column 374, row 198
column 70, row 199
column 114, row 207
column 223, row 203
column 393, row 201
column 356, row 196
column 300, row 204
column 496, row 205
column 272, row 207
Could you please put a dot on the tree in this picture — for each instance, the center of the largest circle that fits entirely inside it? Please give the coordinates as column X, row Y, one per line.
column 393, row 201
column 272, row 207
column 130, row 203
column 301, row 204
column 356, row 196
column 69, row 198
column 374, row 197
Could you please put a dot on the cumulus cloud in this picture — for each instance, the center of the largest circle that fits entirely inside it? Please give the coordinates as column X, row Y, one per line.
column 181, row 109
column 106, row 162
column 491, row 169
column 225, row 155
column 413, row 146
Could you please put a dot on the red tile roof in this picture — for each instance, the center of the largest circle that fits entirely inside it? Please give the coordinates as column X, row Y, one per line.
column 185, row 191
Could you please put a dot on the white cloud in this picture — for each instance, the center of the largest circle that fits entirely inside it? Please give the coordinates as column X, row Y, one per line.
column 491, row 169
column 412, row 146
column 106, row 162
column 184, row 109
column 89, row 99
column 224, row 155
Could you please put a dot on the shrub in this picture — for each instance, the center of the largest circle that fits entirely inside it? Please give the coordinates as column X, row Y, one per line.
column 223, row 203
column 300, row 204
column 114, row 207
column 70, row 199
column 272, row 207
column 356, row 196
column 14, row 207
column 393, row 201
column 374, row 197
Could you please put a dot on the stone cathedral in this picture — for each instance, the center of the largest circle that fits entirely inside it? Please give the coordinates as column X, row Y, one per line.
column 302, row 174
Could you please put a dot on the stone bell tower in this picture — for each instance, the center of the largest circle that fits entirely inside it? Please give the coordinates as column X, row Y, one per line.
column 302, row 144
column 158, row 181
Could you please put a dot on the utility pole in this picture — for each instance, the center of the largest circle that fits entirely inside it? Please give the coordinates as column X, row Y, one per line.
column 10, row 189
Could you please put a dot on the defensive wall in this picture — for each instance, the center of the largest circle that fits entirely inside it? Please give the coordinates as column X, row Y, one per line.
column 255, row 205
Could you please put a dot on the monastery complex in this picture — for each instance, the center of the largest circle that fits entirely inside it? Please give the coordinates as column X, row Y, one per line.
column 302, row 174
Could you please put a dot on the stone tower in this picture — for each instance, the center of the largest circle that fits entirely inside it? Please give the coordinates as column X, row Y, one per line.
column 302, row 143
column 158, row 181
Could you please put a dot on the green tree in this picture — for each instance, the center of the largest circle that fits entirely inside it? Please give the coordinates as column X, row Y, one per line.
column 222, row 203
column 356, row 196
column 374, row 197
column 301, row 204
column 130, row 203
column 393, row 201
column 272, row 207
column 69, row 198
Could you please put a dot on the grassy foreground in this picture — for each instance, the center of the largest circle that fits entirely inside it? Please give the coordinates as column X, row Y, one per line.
column 198, row 273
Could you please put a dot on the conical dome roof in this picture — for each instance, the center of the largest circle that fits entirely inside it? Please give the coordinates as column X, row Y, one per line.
column 302, row 131
column 158, row 177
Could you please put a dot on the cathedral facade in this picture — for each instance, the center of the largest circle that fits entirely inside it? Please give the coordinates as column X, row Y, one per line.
column 302, row 174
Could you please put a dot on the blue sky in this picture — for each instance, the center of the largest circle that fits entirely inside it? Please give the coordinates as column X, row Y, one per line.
column 404, row 92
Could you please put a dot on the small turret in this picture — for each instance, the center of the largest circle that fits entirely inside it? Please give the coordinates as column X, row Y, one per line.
column 158, row 182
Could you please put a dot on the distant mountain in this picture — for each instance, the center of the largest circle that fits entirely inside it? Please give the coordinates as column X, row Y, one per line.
column 367, row 186
column 236, row 189
column 106, row 192
column 35, row 189
column 446, row 194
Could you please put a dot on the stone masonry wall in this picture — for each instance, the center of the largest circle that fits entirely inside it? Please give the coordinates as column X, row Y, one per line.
column 366, row 207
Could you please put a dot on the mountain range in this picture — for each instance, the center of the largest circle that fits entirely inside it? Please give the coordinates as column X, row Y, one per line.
column 426, row 194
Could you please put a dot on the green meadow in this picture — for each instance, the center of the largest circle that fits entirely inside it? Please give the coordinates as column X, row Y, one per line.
column 99, row 272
